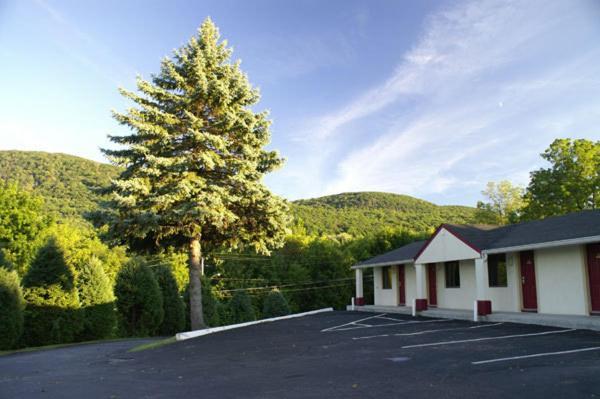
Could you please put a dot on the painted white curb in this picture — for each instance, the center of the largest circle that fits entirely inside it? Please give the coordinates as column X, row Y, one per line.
column 197, row 333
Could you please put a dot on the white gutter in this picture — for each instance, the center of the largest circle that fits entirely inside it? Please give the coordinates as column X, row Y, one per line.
column 391, row 263
column 542, row 245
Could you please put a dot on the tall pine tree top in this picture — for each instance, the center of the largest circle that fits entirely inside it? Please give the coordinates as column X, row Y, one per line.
column 194, row 162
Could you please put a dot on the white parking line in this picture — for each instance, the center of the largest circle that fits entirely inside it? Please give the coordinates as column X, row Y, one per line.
column 504, row 359
column 425, row 331
column 390, row 324
column 487, row 338
column 352, row 322
column 388, row 318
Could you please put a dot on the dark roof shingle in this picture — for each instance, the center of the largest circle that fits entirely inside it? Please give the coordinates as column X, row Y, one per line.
column 406, row 252
column 484, row 237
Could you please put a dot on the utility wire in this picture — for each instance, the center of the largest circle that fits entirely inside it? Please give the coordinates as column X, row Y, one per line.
column 287, row 285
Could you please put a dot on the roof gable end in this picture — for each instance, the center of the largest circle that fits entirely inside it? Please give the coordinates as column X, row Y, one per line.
column 446, row 245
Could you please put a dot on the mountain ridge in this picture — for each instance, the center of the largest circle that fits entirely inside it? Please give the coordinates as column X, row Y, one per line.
column 64, row 181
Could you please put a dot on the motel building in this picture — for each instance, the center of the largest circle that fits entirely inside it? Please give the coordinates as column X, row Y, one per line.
column 542, row 272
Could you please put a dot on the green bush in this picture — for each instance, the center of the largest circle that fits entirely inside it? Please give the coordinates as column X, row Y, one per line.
column 97, row 301
column 173, row 307
column 52, row 314
column 240, row 308
column 209, row 304
column 22, row 225
column 139, row 300
column 275, row 305
column 11, row 309
column 224, row 313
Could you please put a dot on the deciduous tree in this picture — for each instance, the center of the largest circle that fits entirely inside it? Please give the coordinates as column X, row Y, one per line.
column 22, row 226
column 505, row 201
column 570, row 184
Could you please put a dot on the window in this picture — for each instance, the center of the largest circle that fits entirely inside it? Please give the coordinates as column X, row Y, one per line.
column 497, row 270
column 452, row 274
column 386, row 277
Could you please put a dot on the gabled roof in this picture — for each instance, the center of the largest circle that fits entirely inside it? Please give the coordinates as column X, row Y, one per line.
column 571, row 227
column 556, row 228
column 404, row 254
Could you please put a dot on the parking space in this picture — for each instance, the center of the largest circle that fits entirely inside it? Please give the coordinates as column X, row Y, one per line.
column 340, row 354
column 498, row 342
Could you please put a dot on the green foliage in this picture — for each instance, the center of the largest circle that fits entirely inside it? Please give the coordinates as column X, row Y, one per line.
column 506, row 201
column 275, row 305
column 570, row 184
column 240, row 308
column 21, row 226
column 97, row 301
column 11, row 309
column 80, row 244
column 173, row 307
column 209, row 304
column 52, row 314
column 178, row 264
column 365, row 213
column 139, row 300
column 62, row 180
column 194, row 164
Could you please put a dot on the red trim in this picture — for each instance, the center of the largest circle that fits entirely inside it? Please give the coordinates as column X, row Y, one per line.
column 420, row 304
column 436, row 232
column 484, row 307
column 359, row 301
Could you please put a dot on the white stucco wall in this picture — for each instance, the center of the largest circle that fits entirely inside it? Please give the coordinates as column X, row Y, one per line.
column 446, row 246
column 507, row 299
column 457, row 298
column 387, row 297
column 561, row 280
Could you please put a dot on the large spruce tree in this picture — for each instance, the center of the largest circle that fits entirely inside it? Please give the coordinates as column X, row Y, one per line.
column 194, row 163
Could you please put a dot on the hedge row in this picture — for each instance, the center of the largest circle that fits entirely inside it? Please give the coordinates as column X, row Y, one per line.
column 61, row 301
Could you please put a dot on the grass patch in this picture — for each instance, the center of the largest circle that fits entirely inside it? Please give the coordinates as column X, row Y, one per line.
column 153, row 345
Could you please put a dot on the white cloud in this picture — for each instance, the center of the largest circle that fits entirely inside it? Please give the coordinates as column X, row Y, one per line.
column 488, row 82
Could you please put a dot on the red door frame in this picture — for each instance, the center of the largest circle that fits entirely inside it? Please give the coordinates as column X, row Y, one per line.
column 401, row 286
column 432, row 284
column 593, row 261
column 528, row 285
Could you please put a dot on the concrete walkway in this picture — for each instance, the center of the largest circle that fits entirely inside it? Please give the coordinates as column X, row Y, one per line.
column 565, row 321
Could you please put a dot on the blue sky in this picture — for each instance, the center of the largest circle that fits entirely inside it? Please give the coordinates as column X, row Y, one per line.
column 426, row 98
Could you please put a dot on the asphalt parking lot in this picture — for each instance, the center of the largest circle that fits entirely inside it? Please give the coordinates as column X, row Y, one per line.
column 333, row 355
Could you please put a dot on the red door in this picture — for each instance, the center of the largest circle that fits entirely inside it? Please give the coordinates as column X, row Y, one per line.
column 432, row 284
column 593, row 251
column 528, row 282
column 401, row 289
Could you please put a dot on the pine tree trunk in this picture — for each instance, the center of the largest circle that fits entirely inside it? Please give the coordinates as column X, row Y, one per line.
column 196, row 316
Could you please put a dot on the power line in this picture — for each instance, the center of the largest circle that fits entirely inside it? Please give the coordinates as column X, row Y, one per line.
column 287, row 285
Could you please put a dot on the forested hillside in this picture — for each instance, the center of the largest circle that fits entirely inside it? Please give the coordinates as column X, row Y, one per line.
column 64, row 182
column 368, row 212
